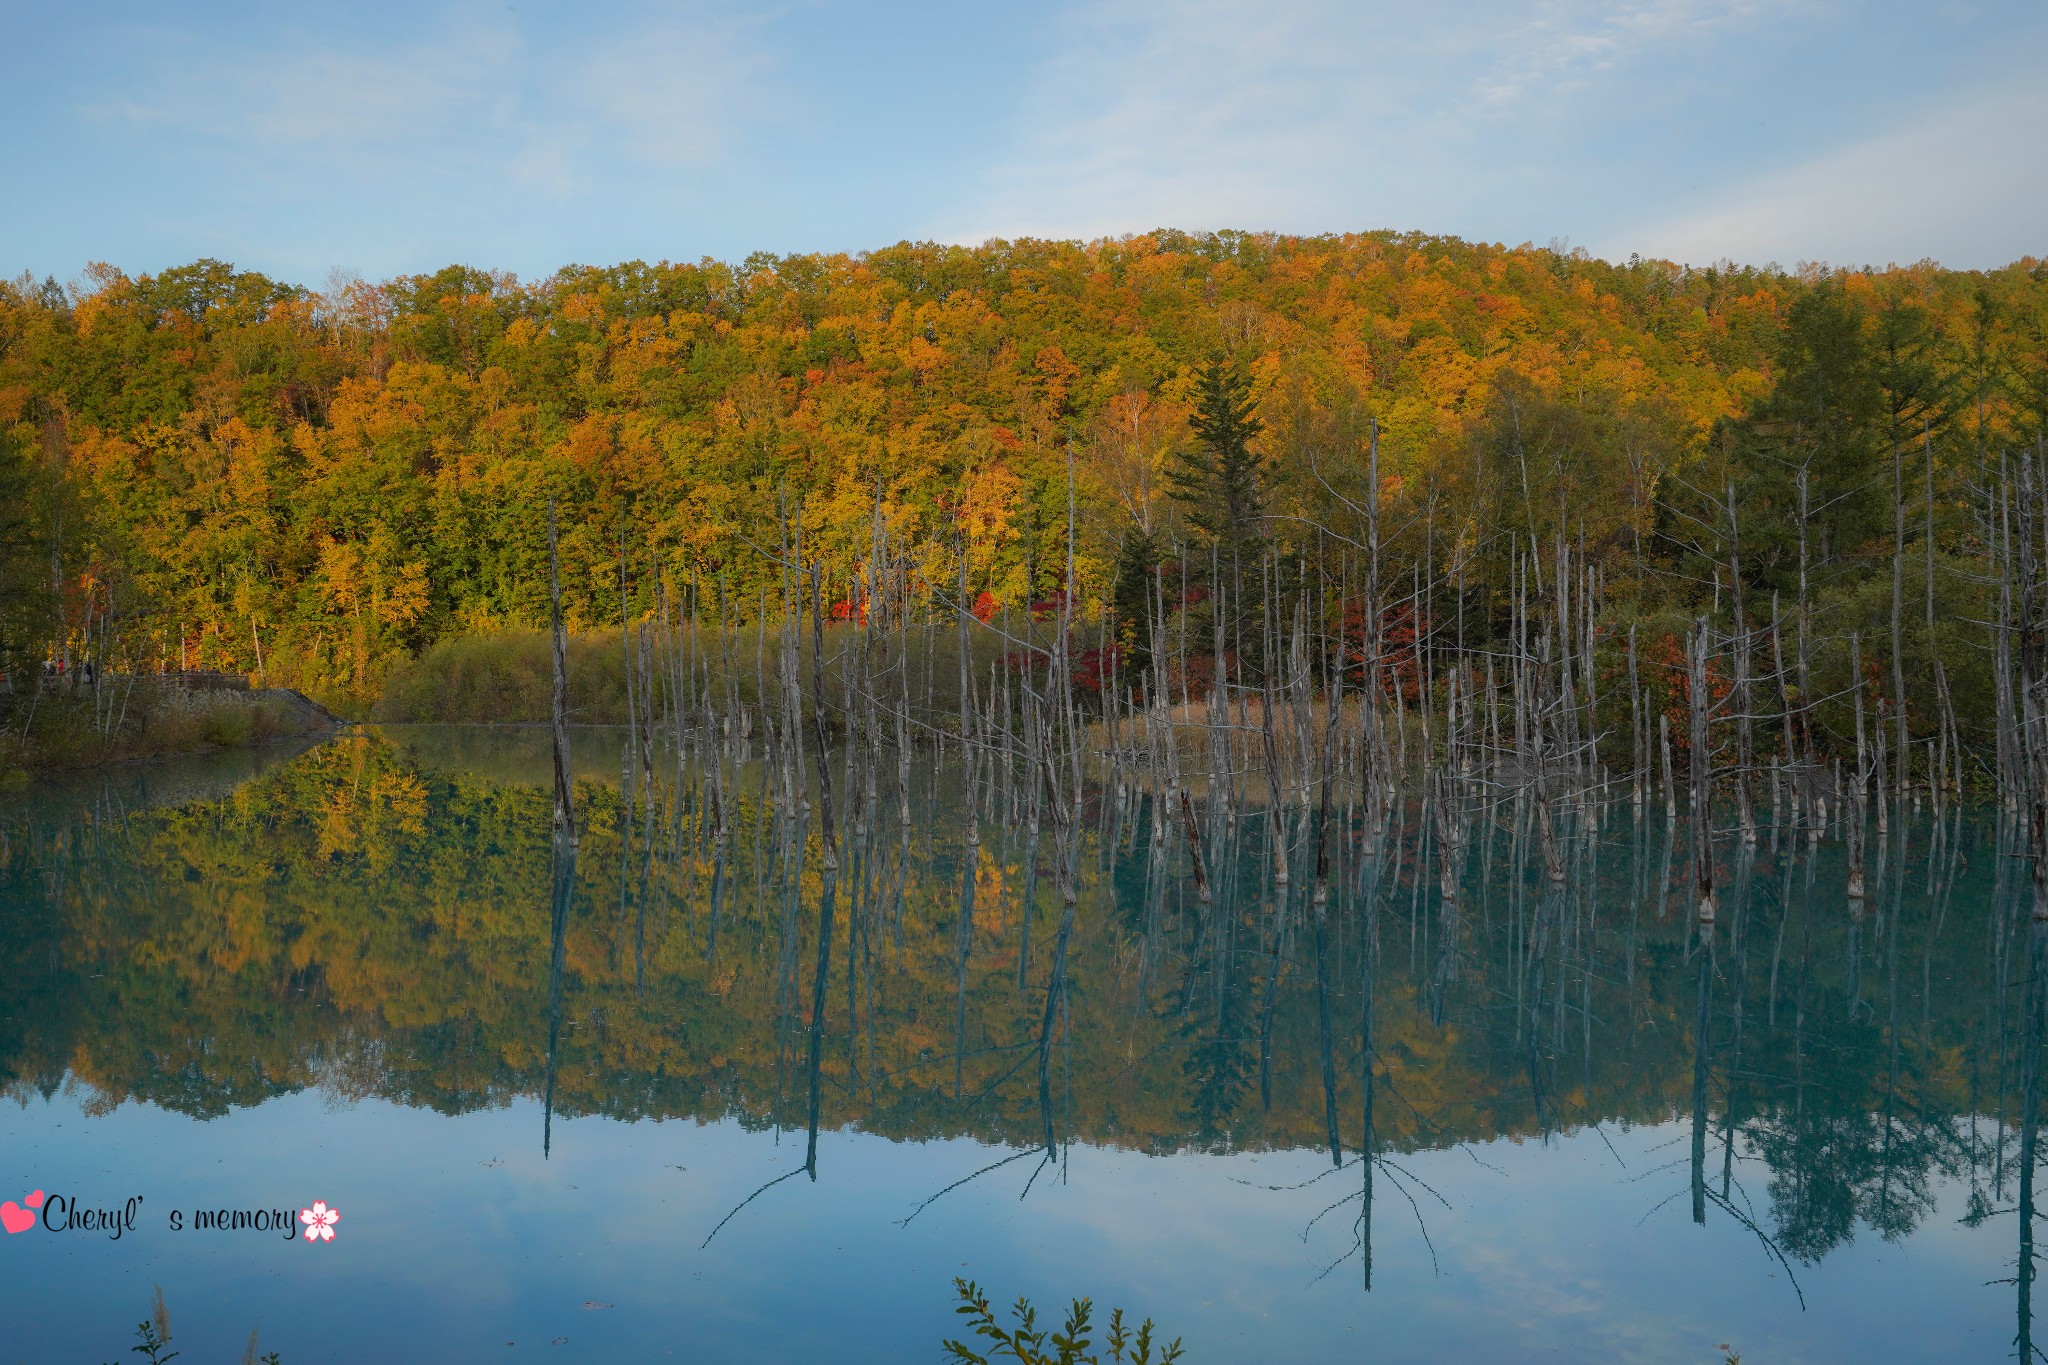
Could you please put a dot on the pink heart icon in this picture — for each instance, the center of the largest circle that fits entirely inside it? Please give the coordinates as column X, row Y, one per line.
column 15, row 1218
column 34, row 1201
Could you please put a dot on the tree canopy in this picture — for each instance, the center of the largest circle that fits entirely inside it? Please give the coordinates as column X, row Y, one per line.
column 225, row 465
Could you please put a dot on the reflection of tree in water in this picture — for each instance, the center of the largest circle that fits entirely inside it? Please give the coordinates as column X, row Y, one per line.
column 366, row 925
column 1831, row 1171
column 1859, row 1139
column 1216, row 1009
column 1220, row 1057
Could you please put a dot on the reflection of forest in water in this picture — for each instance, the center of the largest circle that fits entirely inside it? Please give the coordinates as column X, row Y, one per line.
column 371, row 919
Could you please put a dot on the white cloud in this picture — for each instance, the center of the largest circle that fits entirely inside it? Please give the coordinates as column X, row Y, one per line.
column 1564, row 43
column 1300, row 113
column 674, row 91
column 1149, row 117
column 1969, row 184
column 476, row 95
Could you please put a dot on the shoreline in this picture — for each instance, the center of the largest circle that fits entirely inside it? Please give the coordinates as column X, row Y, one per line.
column 59, row 736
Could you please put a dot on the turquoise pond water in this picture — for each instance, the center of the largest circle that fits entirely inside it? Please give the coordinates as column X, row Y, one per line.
column 689, row 1126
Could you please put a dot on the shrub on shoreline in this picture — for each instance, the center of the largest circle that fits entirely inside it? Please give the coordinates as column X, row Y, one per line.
column 135, row 719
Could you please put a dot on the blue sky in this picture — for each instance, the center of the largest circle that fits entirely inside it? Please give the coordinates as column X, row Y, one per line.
column 385, row 138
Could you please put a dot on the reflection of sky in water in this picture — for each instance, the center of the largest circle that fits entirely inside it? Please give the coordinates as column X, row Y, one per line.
column 443, row 1254
column 371, row 919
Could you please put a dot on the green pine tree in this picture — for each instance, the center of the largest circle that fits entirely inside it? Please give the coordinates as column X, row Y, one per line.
column 1137, row 562
column 1221, row 480
column 1221, row 483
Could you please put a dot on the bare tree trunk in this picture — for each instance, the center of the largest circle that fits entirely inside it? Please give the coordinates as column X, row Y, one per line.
column 2011, row 766
column 565, row 797
column 1804, row 641
column 1670, row 786
column 1702, row 777
column 1903, row 748
column 1853, row 826
column 1744, row 752
column 1950, row 736
column 824, row 735
column 2033, row 660
column 1639, row 758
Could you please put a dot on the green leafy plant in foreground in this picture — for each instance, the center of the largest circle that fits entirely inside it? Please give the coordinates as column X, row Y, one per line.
column 154, row 1335
column 1029, row 1343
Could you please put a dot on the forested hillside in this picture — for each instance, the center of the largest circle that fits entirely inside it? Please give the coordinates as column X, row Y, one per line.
column 210, row 468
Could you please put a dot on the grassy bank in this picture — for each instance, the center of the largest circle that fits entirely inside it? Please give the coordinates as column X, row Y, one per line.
column 137, row 719
column 505, row 677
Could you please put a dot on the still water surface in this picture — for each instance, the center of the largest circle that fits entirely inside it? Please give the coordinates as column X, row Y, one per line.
column 249, row 985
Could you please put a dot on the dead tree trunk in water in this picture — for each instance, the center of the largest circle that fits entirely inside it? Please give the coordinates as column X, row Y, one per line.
column 2036, row 997
column 632, row 707
column 1853, row 826
column 1702, row 775
column 565, row 797
column 1638, row 729
column 1744, row 800
column 1949, row 732
column 1702, row 1023
column 2033, row 664
column 824, row 738
column 562, row 860
column 2011, row 761
column 1903, row 747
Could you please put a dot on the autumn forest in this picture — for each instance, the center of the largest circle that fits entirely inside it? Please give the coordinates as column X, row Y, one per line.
column 1359, row 701
column 210, row 469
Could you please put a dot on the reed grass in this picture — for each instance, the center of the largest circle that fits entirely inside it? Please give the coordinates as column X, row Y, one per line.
column 135, row 719
column 505, row 677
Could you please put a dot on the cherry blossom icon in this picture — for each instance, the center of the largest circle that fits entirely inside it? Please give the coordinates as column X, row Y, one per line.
column 319, row 1221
